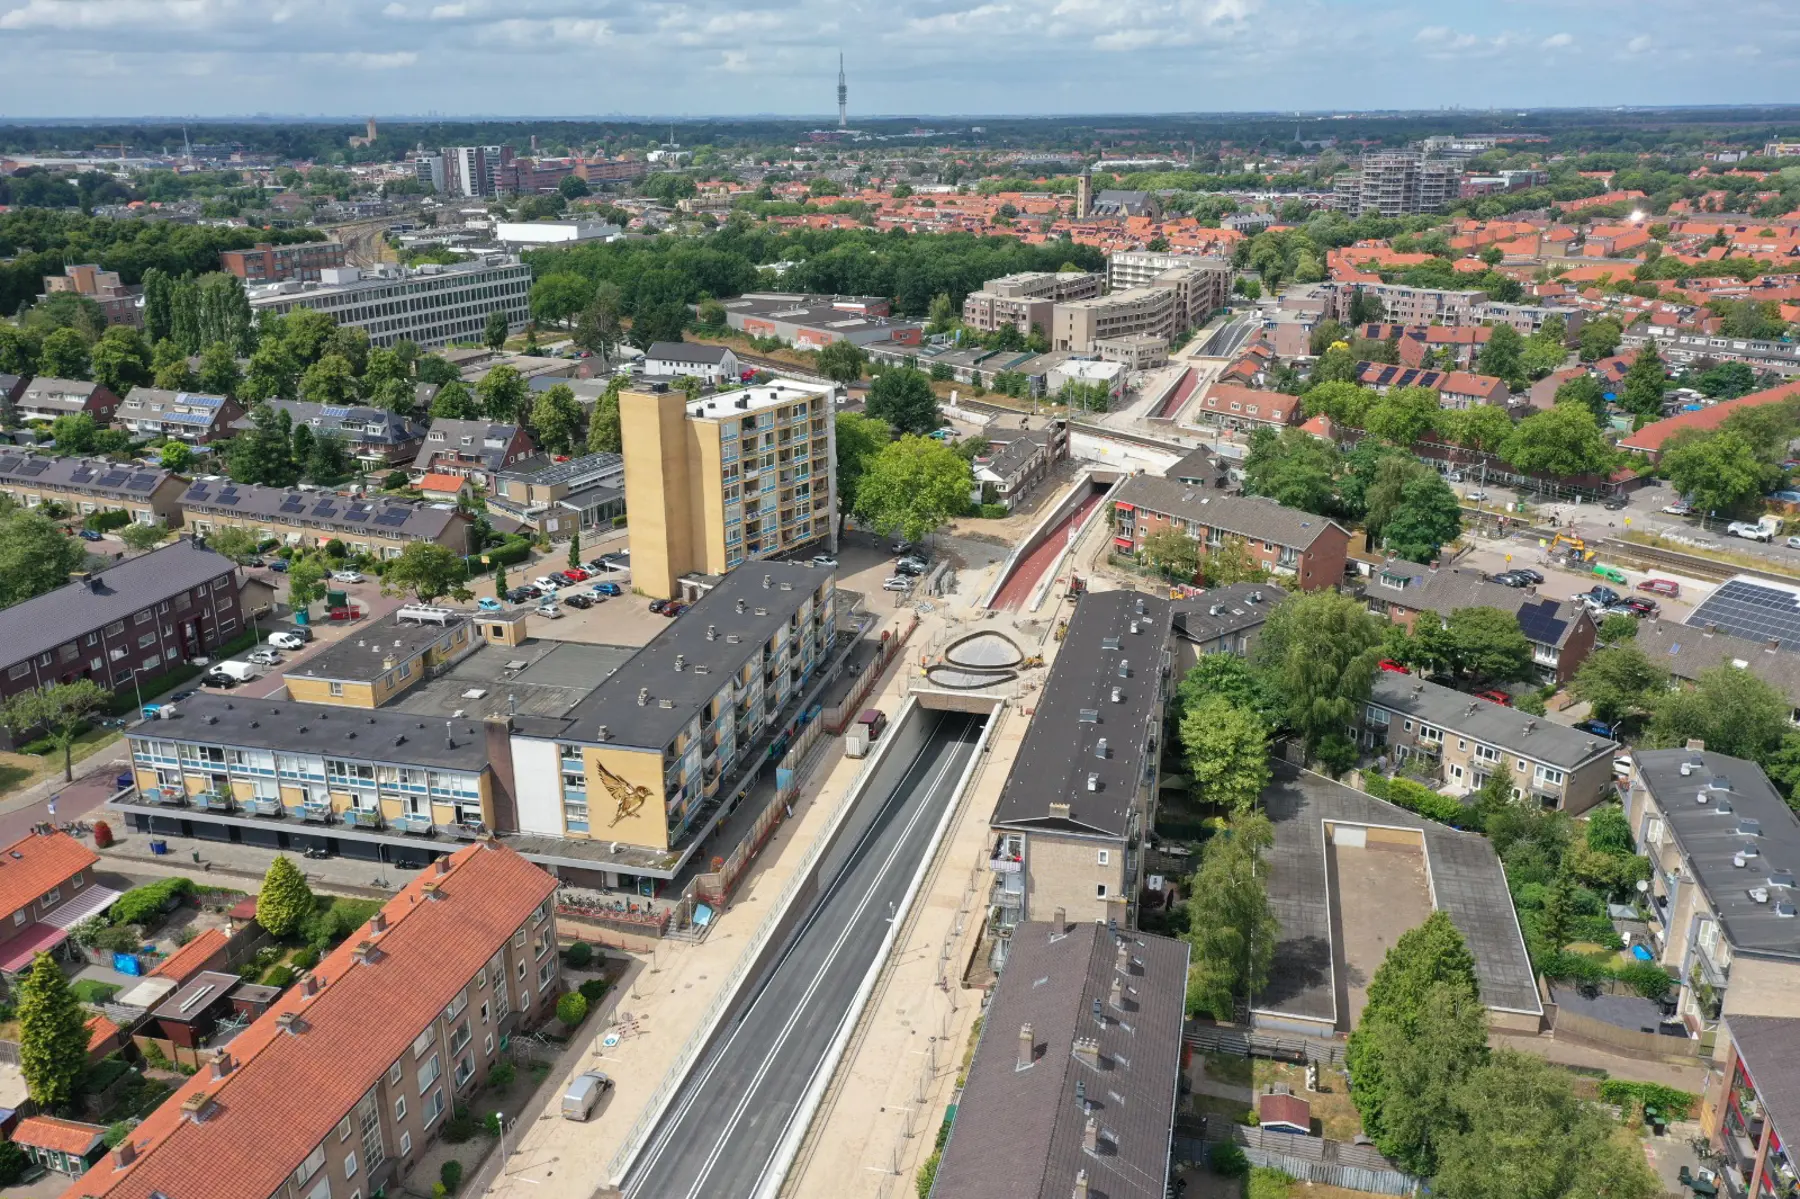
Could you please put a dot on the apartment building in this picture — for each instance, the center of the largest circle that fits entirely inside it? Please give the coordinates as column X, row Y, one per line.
column 1561, row 632
column 1405, row 305
column 384, row 660
column 1722, row 846
column 119, row 303
column 265, row 263
column 1027, row 300
column 1177, row 299
column 1068, row 827
column 726, row 477
column 46, row 889
column 477, row 450
column 187, row 416
column 1464, row 741
column 428, row 305
column 562, row 499
column 636, row 760
column 88, row 485
column 377, row 526
column 1755, row 1124
column 126, row 624
column 317, row 1097
column 1782, row 357
column 1396, row 183
column 1126, row 269
column 1226, row 620
column 377, row 439
column 45, row 399
column 812, row 321
column 473, row 170
column 1287, row 542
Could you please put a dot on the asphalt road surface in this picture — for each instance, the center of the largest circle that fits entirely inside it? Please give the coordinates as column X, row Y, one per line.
column 727, row 1121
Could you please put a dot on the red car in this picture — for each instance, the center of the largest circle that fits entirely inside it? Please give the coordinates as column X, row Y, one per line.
column 1668, row 588
column 1393, row 666
column 1495, row 697
column 576, row 575
column 675, row 608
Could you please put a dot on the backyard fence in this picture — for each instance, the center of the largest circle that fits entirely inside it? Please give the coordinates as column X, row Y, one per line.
column 1314, row 1159
column 1567, row 1025
column 1255, row 1044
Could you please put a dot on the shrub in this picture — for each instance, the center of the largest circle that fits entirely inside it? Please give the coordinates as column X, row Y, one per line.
column 459, row 1127
column 145, row 905
column 502, row 1075
column 1573, row 968
column 1416, row 797
column 579, row 955
column 1646, row 978
column 13, row 1163
column 572, row 1008
column 1677, row 1105
column 450, row 1174
column 1268, row 1183
column 592, row 989
column 927, row 1175
column 490, row 1124
column 304, row 959
column 995, row 511
column 1228, row 1160
column 278, row 976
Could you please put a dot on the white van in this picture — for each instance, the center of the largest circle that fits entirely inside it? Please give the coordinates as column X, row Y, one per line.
column 583, row 1095
column 236, row 672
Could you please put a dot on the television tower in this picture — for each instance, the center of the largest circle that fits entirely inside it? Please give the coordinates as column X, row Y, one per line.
column 843, row 96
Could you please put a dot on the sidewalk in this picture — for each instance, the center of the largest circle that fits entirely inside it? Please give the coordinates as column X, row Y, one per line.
column 1567, row 1053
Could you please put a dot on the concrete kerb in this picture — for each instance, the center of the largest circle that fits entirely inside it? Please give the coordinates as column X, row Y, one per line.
column 626, row 1155
column 774, row 1177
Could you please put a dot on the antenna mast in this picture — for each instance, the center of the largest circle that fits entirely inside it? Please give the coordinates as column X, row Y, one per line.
column 843, row 95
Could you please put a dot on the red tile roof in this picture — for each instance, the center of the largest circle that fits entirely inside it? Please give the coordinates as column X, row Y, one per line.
column 437, row 482
column 289, row 1090
column 65, row 1136
column 1270, row 407
column 1284, row 1111
column 39, row 863
column 191, row 958
column 100, row 1030
column 1651, row 437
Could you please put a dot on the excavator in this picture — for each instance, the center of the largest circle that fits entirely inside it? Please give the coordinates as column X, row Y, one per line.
column 1575, row 548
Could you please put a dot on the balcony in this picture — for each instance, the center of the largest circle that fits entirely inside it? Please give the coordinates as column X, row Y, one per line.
column 1003, row 864
column 317, row 812
column 260, row 806
column 357, row 818
column 165, row 797
column 213, row 801
column 415, row 824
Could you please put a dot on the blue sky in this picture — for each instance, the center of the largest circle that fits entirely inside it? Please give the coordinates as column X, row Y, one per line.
column 726, row 57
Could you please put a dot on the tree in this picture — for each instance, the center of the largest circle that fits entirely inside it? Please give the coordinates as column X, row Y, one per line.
column 1718, row 472
column 383, row 367
column 18, row 351
column 1345, row 403
column 329, row 381
column 121, row 360
column 603, row 434
column 912, row 486
column 1541, row 356
column 494, row 333
column 664, row 321
column 1230, row 562
column 273, row 374
column 503, row 392
column 453, row 402
column 557, row 296
column 52, row 1035
column 571, row 1009
column 1644, row 384
column 1732, row 710
column 240, row 545
column 59, row 710
column 432, row 369
column 1600, row 338
column 903, row 399
column 74, row 433
column 219, row 374
column 158, row 293
column 1487, row 645
column 306, row 581
column 1617, row 627
column 1292, row 468
column 1404, row 415
column 1226, row 676
column 64, row 355
column 843, row 361
column 143, row 537
column 1585, row 390
column 1335, row 365
column 1227, row 753
column 575, row 548
column 35, row 555
column 1521, row 1133
column 1483, row 427
column 1317, row 653
column 597, row 328
column 426, row 569
column 1726, row 381
column 1173, row 553
column 1234, row 945
column 175, row 455
column 1500, row 356
column 1427, row 517
column 1564, row 441
column 284, row 899
column 556, row 419
column 859, row 439
column 573, row 187
column 263, row 453
column 1419, row 1066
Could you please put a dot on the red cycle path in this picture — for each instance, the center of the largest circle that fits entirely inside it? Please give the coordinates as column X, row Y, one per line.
column 1029, row 569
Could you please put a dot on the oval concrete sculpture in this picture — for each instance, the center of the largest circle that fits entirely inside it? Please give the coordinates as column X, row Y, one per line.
column 956, row 678
column 985, row 650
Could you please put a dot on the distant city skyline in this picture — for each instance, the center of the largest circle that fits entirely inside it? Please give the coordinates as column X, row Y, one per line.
column 214, row 58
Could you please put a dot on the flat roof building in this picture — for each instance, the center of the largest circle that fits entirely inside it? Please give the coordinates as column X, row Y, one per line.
column 265, row 263
column 560, row 499
column 812, row 321
column 429, row 305
column 379, row 663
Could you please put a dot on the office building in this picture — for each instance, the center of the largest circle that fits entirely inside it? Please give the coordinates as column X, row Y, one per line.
column 184, row 415
column 339, row 1087
column 561, row 499
column 1396, row 183
column 377, row 526
column 88, row 485
column 276, row 264
column 126, row 624
column 474, row 170
column 1071, row 816
column 1287, row 542
column 533, row 235
column 725, row 478
column 813, row 321
column 1179, row 298
column 121, row 305
column 429, row 305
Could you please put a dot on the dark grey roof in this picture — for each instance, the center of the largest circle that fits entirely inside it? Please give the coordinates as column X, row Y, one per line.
column 94, row 476
column 446, row 434
column 1542, row 619
column 686, row 351
column 120, row 591
column 1519, row 733
column 1770, row 1049
column 1239, row 608
column 352, row 422
column 1061, row 748
column 66, row 395
column 1757, row 609
column 543, row 471
column 381, row 736
column 11, row 385
column 1711, row 834
column 371, row 652
column 1687, row 653
column 1466, row 881
column 1256, row 517
column 1201, row 467
column 327, row 510
column 674, row 697
column 1018, row 1133
column 1014, row 449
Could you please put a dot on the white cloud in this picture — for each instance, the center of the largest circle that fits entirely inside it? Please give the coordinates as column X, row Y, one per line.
column 1639, row 44
column 381, row 62
column 449, row 12
column 1559, row 41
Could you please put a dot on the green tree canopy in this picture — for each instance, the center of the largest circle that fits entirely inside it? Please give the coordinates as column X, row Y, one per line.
column 1227, row 753
column 1732, row 710
column 63, row 354
column 912, row 486
column 1564, row 441
column 903, row 399
column 1426, row 517
column 1500, row 357
column 53, row 1036
column 1318, row 652
column 503, row 393
column 285, row 899
column 426, row 569
column 1233, row 945
column 560, row 295
column 1292, row 468
column 1173, row 553
column 1487, row 645
column 1404, row 415
column 1619, row 681
column 859, row 439
column 219, row 374
column 556, row 419
column 603, row 434
column 35, row 555
column 494, row 333
column 843, row 361
column 59, row 710
column 453, row 402
column 1411, row 1069
column 1718, row 472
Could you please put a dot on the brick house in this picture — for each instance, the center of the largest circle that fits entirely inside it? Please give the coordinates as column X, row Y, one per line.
column 45, row 399
column 1286, row 542
column 1561, row 632
column 47, row 887
column 1233, row 406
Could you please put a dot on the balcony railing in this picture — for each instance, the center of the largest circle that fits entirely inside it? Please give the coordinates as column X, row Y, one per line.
column 316, row 812
column 1005, row 865
column 356, row 818
column 167, row 797
column 213, row 801
column 261, row 806
column 416, row 824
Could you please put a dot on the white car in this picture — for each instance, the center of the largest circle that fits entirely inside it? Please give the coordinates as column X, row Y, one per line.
column 287, row 641
column 346, row 576
column 1476, row 496
column 1679, row 508
column 264, row 657
column 1793, row 543
column 1762, row 530
column 896, row 583
column 824, row 560
column 545, row 583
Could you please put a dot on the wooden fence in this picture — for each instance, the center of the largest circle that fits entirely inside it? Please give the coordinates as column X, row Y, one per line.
column 1255, row 1044
column 1314, row 1159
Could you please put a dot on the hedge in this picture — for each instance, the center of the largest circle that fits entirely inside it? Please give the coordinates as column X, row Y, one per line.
column 510, row 552
column 1416, row 797
column 142, row 905
column 106, row 519
column 1677, row 1105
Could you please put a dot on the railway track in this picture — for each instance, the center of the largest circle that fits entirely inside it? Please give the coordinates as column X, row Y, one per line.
column 1696, row 565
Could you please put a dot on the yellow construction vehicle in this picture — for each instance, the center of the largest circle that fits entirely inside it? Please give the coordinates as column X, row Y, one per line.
column 1574, row 547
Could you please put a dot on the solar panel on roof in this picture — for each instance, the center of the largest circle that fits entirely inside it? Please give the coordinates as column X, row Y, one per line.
column 1539, row 622
column 36, row 466
column 334, row 413
column 197, row 492
column 293, row 504
column 392, row 519
column 141, row 483
column 325, row 508
column 112, row 478
column 81, row 474
column 229, row 499
column 1754, row 611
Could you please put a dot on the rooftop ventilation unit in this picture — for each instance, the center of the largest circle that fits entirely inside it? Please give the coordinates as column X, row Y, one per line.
column 1093, row 783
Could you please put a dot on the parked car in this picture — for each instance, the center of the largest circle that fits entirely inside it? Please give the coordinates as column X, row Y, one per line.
column 488, row 603
column 824, row 560
column 1678, row 508
column 604, row 589
column 1760, row 530
column 89, row 535
column 873, row 721
column 1392, row 667
column 287, row 640
column 346, row 576
column 1476, row 496
column 545, row 583
column 549, row 611
column 896, row 583
column 1638, row 605
column 675, row 608
column 1598, row 597
column 579, row 601
column 584, row 1094
column 901, row 545
column 1599, row 728
column 279, row 566
column 1529, row 575
column 1495, row 696
column 563, row 578
column 1668, row 588
column 1614, row 503
column 1510, row 578
column 574, row 574
column 906, row 566
column 1793, row 543
column 263, row 657
column 1611, row 574
column 657, row 606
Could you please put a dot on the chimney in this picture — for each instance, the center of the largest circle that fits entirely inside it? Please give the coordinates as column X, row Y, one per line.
column 1696, row 745
column 1059, row 920
column 643, row 696
column 1087, row 1049
column 310, row 987
column 1059, row 810
column 1090, row 1135
column 1123, row 964
column 197, row 1106
column 124, row 1155
column 365, row 952
column 1116, row 996
column 603, row 734
column 442, row 865
column 290, row 1023
column 1027, row 1047
column 378, row 923
column 223, row 1065
column 1081, row 1191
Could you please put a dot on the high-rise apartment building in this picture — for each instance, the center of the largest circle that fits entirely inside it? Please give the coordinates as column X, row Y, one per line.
column 474, row 170
column 724, row 477
column 1396, row 183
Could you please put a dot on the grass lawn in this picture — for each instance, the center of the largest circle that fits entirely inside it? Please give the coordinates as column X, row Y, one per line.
column 1336, row 1117
column 1215, row 1108
column 1229, row 1068
column 92, row 990
column 19, row 771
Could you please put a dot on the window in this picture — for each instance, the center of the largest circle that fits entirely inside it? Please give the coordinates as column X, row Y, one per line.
column 350, row 1164
column 487, row 1046
column 344, row 1129
column 420, row 1045
column 1486, row 753
column 394, row 1075
column 524, row 1001
column 546, row 973
column 434, row 1107
column 1106, row 857
column 1548, row 776
column 1376, row 715
column 1099, row 890
column 52, row 896
column 336, row 688
column 310, row 1166
column 484, row 1013
column 430, row 1072
column 405, row 1143
column 521, row 970
column 399, row 1109
column 19, row 917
